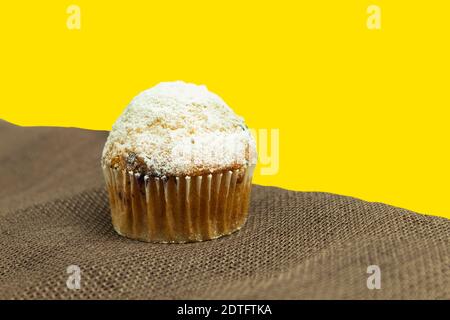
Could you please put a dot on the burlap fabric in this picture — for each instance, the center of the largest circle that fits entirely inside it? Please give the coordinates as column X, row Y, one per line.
column 54, row 212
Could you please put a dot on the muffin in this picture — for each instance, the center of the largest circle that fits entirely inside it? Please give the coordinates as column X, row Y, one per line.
column 178, row 165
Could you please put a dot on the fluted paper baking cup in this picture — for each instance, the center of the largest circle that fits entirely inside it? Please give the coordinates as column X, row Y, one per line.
column 178, row 209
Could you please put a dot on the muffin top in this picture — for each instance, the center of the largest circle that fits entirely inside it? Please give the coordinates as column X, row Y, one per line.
column 177, row 129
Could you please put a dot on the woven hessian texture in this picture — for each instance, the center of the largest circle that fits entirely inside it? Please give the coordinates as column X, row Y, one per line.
column 54, row 212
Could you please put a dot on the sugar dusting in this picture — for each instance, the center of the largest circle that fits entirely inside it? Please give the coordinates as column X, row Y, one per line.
column 177, row 128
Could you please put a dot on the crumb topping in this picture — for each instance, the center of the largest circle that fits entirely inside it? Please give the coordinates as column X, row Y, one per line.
column 177, row 128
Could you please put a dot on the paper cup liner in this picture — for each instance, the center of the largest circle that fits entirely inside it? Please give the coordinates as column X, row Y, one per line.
column 178, row 209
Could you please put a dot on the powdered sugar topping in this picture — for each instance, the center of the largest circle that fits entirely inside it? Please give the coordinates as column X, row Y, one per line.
column 176, row 128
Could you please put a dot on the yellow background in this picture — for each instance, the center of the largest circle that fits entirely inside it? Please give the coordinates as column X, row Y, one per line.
column 360, row 112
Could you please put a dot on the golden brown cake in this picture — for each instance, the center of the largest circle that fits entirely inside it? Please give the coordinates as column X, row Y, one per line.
column 178, row 165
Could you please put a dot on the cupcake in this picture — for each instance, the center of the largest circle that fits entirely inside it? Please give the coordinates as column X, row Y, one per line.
column 178, row 165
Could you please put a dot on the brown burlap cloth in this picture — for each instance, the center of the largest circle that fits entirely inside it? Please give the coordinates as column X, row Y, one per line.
column 54, row 212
